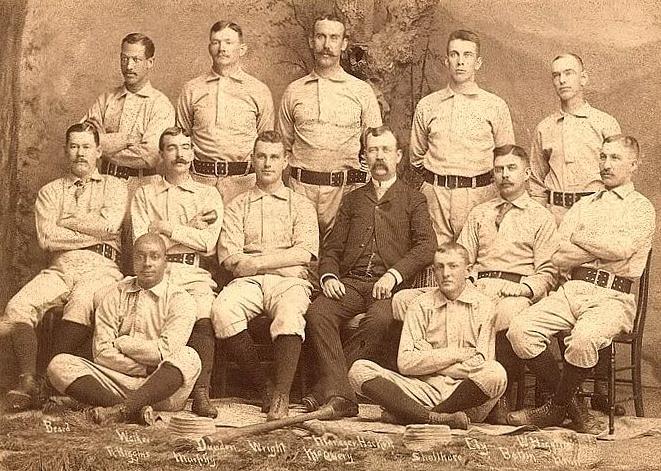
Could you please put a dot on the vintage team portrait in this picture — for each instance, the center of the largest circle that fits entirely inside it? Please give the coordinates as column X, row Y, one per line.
column 347, row 234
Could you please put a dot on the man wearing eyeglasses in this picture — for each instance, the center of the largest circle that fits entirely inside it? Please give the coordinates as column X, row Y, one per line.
column 223, row 111
column 130, row 118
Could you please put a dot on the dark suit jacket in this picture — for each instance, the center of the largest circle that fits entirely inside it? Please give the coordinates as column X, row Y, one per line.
column 405, row 238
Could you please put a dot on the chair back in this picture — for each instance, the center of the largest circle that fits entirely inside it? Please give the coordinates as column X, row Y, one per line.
column 643, row 295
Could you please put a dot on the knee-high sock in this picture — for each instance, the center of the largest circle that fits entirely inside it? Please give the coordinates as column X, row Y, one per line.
column 69, row 337
column 203, row 341
column 572, row 378
column 162, row 384
column 24, row 341
column 505, row 356
column 241, row 349
column 545, row 369
column 390, row 396
column 89, row 390
column 467, row 395
column 286, row 351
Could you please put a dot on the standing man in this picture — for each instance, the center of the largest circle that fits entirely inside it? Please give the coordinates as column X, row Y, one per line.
column 382, row 239
column 131, row 117
column 223, row 111
column 322, row 117
column 270, row 235
column 510, row 240
column 140, row 354
column 188, row 215
column 447, row 372
column 454, row 133
column 605, row 239
column 78, row 219
column 565, row 161
column 565, row 151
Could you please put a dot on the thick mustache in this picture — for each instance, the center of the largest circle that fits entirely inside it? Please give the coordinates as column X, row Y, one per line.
column 380, row 165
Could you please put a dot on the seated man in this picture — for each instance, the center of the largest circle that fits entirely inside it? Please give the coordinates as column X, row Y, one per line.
column 269, row 237
column 78, row 219
column 446, row 354
column 510, row 240
column 188, row 215
column 140, row 354
column 381, row 239
column 604, row 242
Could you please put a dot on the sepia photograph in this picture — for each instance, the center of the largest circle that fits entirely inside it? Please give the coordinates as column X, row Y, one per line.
column 330, row 234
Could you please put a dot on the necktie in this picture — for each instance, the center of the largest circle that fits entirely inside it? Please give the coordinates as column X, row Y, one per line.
column 80, row 189
column 502, row 211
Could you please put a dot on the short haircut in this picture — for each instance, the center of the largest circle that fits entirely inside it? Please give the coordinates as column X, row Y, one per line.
column 449, row 247
column 171, row 131
column 329, row 17
column 82, row 127
column 514, row 150
column 570, row 54
column 628, row 142
column 221, row 25
column 465, row 35
column 151, row 237
column 270, row 136
column 139, row 38
column 375, row 131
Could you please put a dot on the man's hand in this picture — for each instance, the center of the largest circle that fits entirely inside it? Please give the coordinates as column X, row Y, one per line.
column 333, row 288
column 202, row 220
column 161, row 227
column 69, row 222
column 518, row 289
column 97, row 125
column 246, row 266
column 465, row 353
column 383, row 287
column 121, row 342
column 474, row 361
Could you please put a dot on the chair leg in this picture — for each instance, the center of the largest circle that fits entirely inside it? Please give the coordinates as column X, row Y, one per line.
column 611, row 391
column 637, row 381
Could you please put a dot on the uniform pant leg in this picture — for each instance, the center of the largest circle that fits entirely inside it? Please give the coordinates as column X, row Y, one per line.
column 47, row 290
column 80, row 306
column 187, row 361
column 239, row 302
column 286, row 301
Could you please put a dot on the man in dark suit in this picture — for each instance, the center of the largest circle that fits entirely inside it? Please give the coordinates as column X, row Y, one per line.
column 382, row 237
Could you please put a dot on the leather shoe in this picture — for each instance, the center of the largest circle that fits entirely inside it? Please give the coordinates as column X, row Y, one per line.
column 582, row 420
column 202, row 404
column 548, row 415
column 310, row 403
column 279, row 407
column 499, row 413
column 25, row 395
column 342, row 407
column 456, row 420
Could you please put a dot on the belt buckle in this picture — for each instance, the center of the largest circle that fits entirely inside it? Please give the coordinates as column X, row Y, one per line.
column 568, row 200
column 189, row 258
column 557, row 198
column 337, row 178
column 451, row 181
column 220, row 168
column 602, row 278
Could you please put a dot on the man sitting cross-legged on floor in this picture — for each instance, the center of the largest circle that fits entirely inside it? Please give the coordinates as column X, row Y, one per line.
column 269, row 237
column 448, row 374
column 140, row 355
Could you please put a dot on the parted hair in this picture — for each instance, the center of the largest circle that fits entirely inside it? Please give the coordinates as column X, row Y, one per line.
column 329, row 17
column 375, row 131
column 570, row 54
column 139, row 38
column 82, row 127
column 171, row 131
column 222, row 24
column 270, row 136
column 514, row 150
column 465, row 35
column 448, row 247
column 629, row 142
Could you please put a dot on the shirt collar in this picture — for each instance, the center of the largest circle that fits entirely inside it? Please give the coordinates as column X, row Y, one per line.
column 238, row 75
column 468, row 296
column 71, row 179
column 163, row 185
column 521, row 202
column 339, row 75
column 282, row 193
column 384, row 185
column 448, row 92
column 147, row 90
column 624, row 190
column 158, row 290
column 583, row 112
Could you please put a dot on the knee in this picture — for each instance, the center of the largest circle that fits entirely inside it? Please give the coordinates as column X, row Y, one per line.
column 583, row 348
column 521, row 339
column 188, row 362
column 492, row 377
column 379, row 316
column 360, row 372
column 57, row 369
column 288, row 322
column 319, row 313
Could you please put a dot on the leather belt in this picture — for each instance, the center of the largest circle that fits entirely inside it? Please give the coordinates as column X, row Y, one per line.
column 119, row 171
column 185, row 258
column 345, row 177
column 567, row 200
column 501, row 275
column 105, row 250
column 221, row 168
column 602, row 278
column 456, row 181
